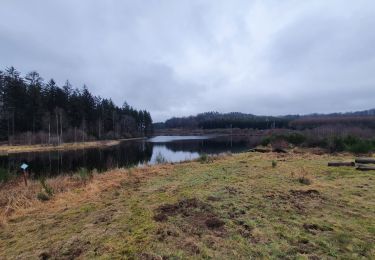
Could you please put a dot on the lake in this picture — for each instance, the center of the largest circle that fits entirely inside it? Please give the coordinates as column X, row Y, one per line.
column 125, row 154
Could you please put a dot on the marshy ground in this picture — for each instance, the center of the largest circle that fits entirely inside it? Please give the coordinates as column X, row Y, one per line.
column 242, row 206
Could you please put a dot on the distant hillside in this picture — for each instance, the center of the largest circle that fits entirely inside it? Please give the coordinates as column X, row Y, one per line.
column 214, row 120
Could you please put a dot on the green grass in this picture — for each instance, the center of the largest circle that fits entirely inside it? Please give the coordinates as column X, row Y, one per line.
column 267, row 213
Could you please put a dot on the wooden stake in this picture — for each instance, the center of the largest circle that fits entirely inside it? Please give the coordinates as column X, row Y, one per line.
column 25, row 177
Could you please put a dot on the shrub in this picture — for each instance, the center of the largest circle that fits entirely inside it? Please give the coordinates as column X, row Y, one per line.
column 304, row 180
column 316, row 141
column 336, row 144
column 47, row 189
column 280, row 144
column 351, row 140
column 350, row 143
column 274, row 164
column 360, row 147
column 85, row 175
column 160, row 159
column 296, row 138
column 42, row 196
column 204, row 158
column 265, row 141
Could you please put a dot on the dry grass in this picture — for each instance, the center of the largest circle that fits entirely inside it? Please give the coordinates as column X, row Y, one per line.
column 6, row 149
column 233, row 207
column 16, row 199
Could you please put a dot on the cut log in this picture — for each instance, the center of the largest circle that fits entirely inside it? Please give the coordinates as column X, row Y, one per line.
column 338, row 164
column 365, row 160
column 365, row 168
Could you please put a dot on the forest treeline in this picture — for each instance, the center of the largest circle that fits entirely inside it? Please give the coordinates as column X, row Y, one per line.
column 212, row 120
column 215, row 120
column 353, row 132
column 38, row 112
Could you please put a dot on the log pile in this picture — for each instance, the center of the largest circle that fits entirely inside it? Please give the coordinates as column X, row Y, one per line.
column 361, row 164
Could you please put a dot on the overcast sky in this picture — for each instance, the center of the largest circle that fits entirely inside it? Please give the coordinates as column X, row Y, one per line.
column 177, row 57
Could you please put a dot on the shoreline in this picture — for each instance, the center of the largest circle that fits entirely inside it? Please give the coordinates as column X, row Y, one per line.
column 14, row 149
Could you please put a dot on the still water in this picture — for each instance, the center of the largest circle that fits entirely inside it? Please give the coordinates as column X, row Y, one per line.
column 126, row 154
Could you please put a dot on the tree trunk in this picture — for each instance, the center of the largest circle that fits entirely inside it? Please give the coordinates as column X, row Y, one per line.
column 8, row 130
column 365, row 168
column 99, row 134
column 57, row 128
column 337, row 164
column 49, row 132
column 61, row 133
column 365, row 160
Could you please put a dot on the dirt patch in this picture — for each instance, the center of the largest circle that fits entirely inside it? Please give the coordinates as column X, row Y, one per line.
column 184, row 207
column 44, row 256
column 304, row 246
column 234, row 212
column 105, row 217
column 213, row 198
column 191, row 247
column 164, row 232
column 305, row 193
column 253, row 235
column 232, row 190
column 300, row 200
column 160, row 217
column 314, row 228
column 71, row 249
column 147, row 256
column 132, row 183
column 197, row 216
column 214, row 222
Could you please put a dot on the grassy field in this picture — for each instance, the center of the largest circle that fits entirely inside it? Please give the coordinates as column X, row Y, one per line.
column 242, row 206
column 7, row 149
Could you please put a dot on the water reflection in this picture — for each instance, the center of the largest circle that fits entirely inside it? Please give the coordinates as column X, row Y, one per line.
column 172, row 138
column 126, row 154
column 172, row 155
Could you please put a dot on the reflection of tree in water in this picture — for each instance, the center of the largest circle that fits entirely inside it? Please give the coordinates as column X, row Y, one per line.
column 215, row 145
column 56, row 162
column 125, row 154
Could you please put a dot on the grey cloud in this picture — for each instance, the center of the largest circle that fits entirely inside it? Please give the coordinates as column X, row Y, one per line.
column 179, row 58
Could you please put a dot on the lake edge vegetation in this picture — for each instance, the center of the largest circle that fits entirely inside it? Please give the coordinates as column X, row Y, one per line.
column 353, row 132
